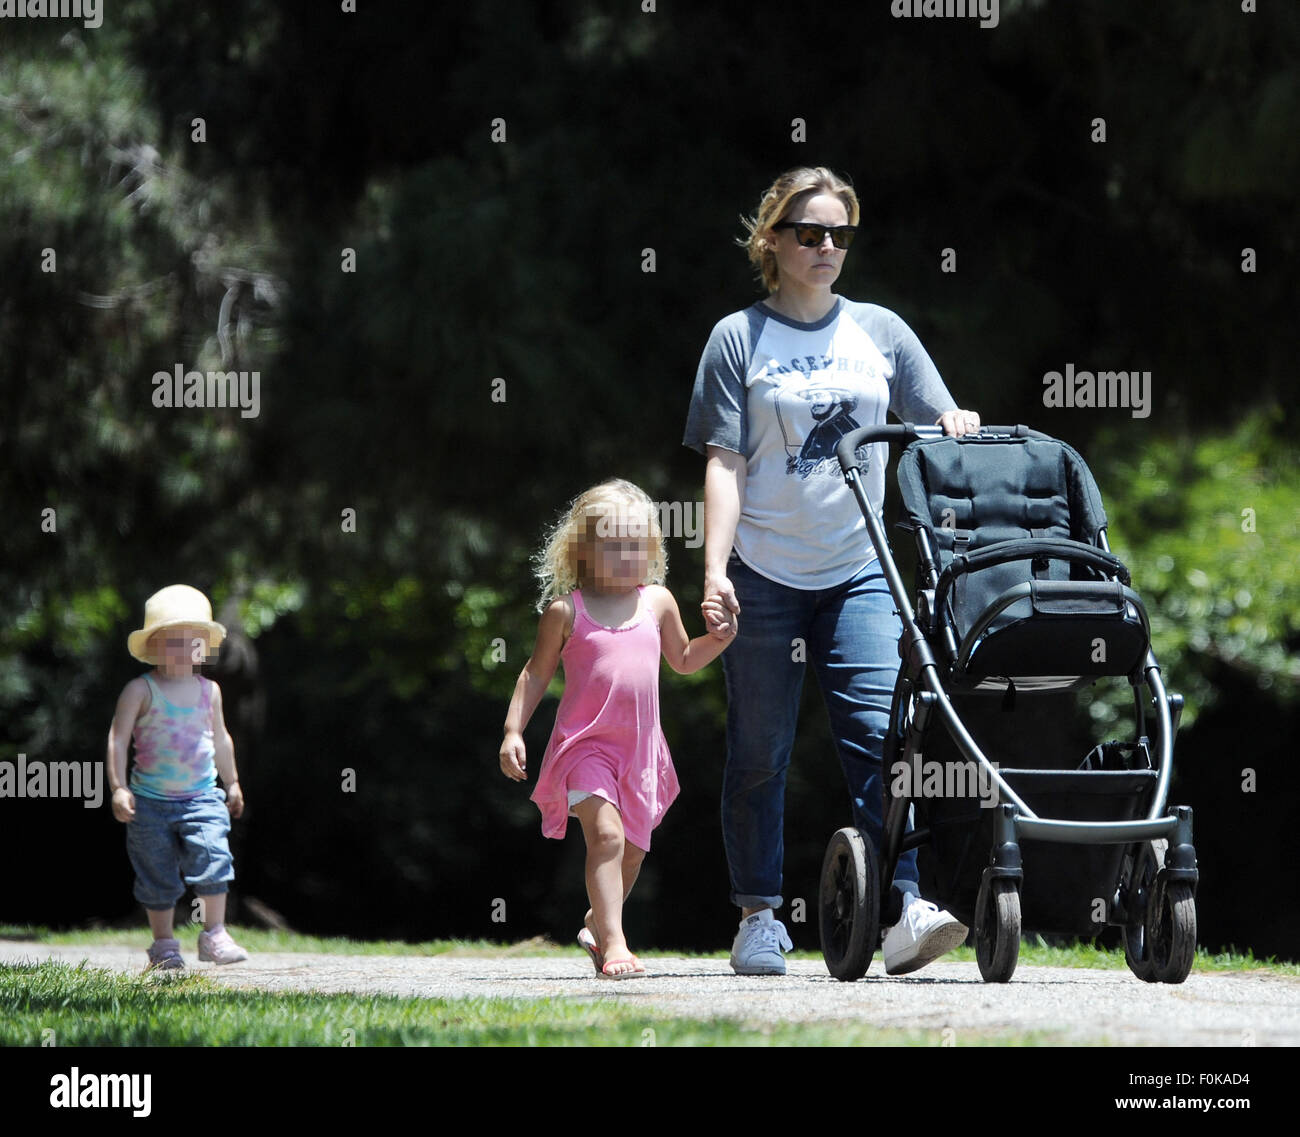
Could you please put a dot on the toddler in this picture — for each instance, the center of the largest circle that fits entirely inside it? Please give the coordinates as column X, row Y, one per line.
column 177, row 820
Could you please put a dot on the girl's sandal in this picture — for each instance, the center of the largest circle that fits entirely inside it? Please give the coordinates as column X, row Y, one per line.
column 638, row 972
column 588, row 943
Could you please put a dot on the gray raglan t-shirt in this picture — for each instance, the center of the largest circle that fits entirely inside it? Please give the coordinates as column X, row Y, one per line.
column 783, row 394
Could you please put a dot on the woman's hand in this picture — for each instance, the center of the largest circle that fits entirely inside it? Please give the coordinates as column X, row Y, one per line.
column 234, row 799
column 957, row 423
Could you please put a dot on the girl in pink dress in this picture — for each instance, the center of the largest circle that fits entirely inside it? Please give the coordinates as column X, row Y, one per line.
column 607, row 616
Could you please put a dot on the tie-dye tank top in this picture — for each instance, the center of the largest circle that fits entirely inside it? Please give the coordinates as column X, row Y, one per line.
column 174, row 746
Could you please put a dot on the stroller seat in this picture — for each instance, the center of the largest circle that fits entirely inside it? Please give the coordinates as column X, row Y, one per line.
column 1026, row 594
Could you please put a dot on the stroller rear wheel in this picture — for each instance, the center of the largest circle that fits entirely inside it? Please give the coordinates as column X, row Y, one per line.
column 997, row 929
column 849, row 905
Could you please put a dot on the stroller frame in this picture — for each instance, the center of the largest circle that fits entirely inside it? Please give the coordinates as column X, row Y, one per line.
column 1153, row 900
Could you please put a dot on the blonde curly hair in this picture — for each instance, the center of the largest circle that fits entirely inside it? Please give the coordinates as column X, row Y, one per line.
column 563, row 563
column 781, row 197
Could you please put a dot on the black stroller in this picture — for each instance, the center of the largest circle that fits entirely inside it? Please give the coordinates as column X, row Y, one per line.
column 1018, row 601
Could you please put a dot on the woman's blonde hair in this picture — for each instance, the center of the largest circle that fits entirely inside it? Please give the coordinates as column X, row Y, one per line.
column 779, row 199
column 610, row 509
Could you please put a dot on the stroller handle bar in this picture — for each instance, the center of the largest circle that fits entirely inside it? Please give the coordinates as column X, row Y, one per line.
column 910, row 432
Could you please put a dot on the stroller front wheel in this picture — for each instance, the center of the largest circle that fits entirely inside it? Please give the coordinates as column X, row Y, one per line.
column 1171, row 929
column 997, row 929
column 1140, row 879
column 848, row 905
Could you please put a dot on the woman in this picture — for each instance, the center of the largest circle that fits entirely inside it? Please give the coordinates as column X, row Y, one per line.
column 778, row 385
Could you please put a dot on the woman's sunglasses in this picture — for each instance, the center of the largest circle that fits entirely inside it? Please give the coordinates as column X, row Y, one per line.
column 810, row 235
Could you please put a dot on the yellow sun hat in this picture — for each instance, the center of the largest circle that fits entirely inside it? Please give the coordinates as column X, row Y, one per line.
column 171, row 607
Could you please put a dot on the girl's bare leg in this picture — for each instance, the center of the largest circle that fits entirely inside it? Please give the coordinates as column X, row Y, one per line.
column 633, row 858
column 602, row 826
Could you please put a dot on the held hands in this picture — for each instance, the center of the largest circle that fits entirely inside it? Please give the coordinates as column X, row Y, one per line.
column 123, row 804
column 721, row 621
column 720, row 607
column 514, row 761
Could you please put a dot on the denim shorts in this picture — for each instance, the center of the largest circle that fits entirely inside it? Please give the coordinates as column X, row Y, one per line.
column 179, row 842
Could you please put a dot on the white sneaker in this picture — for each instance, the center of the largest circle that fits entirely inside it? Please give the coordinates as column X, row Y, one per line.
column 920, row 937
column 758, row 945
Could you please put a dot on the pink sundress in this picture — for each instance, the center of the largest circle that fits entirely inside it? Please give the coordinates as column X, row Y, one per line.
column 607, row 739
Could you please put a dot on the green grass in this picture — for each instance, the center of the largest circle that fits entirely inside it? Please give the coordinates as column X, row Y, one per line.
column 90, row 1007
column 1033, row 950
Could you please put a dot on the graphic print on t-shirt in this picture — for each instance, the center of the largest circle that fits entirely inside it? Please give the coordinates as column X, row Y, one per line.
column 799, row 524
column 829, row 417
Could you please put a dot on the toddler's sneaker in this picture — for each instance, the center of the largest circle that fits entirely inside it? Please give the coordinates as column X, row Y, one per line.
column 758, row 945
column 216, row 946
column 165, row 955
column 920, row 937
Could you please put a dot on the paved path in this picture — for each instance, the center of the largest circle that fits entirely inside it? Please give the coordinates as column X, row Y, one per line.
column 1073, row 1005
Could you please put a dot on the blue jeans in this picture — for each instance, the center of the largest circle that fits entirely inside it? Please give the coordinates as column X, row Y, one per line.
column 849, row 634
column 182, row 838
